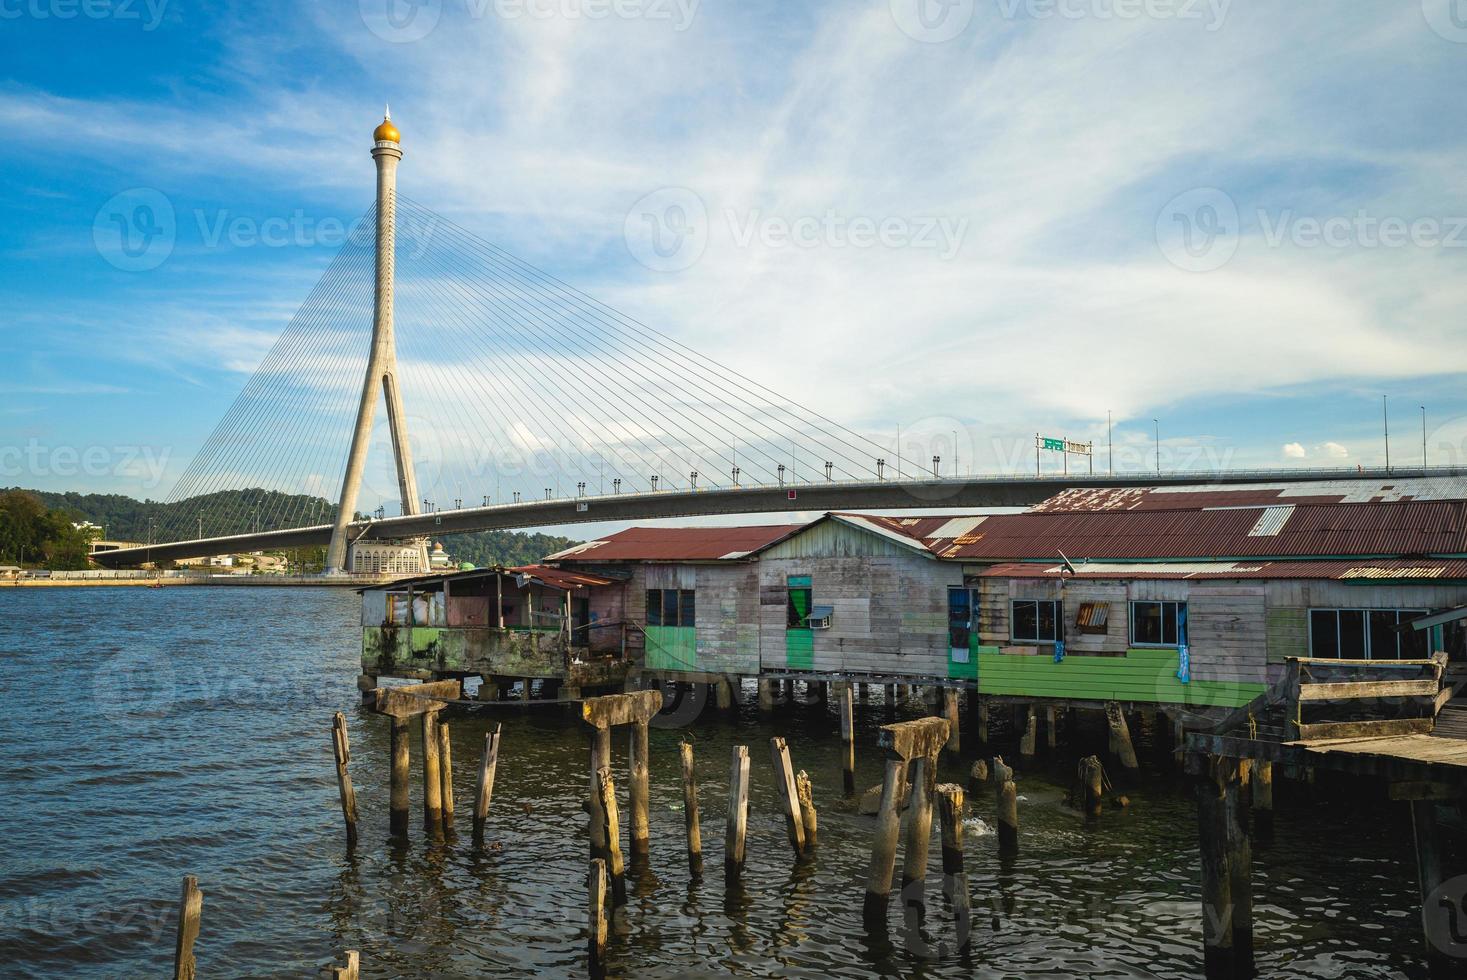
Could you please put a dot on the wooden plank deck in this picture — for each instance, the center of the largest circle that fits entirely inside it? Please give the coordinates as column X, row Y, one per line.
column 1430, row 749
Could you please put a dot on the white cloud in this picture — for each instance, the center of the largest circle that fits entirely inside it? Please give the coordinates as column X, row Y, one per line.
column 1294, row 450
column 1335, row 451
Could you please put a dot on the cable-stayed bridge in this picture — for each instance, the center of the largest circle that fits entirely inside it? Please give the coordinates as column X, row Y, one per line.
column 515, row 400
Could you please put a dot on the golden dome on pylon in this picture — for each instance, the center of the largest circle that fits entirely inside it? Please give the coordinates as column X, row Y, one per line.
column 386, row 131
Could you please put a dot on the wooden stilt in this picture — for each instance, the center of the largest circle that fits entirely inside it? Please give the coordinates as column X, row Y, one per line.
column 1240, row 869
column 1439, row 940
column 611, row 828
column 342, row 749
column 639, row 791
column 600, row 759
column 1179, row 741
column 1092, row 783
column 977, row 776
column 1120, row 735
column 950, row 712
column 784, row 785
column 432, row 776
column 1220, row 954
column 952, row 810
column 445, row 770
column 736, row 830
column 1006, row 798
column 848, row 740
column 350, row 969
column 808, row 820
column 190, row 908
column 690, row 809
column 891, row 699
column 884, row 843
column 983, row 721
column 766, row 696
column 1261, row 783
column 596, row 914
column 1051, row 733
column 1030, row 736
column 724, row 694
column 919, row 837
column 487, row 766
column 397, row 818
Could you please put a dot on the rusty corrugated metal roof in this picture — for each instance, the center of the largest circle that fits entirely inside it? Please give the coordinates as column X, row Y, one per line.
column 677, row 544
column 1388, row 529
column 1255, row 495
column 1388, row 570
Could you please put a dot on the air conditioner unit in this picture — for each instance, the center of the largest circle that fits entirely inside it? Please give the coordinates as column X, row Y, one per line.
column 819, row 618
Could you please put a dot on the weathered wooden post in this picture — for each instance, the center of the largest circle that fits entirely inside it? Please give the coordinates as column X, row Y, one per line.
column 950, row 712
column 635, row 708
column 596, row 914
column 1027, row 740
column 445, row 772
column 401, row 704
column 952, row 808
column 349, row 970
column 883, row 846
column 848, row 739
column 190, row 908
column 724, row 694
column 738, row 811
column 1006, row 797
column 639, row 792
column 1092, row 783
column 342, row 749
column 766, row 696
column 983, row 722
column 808, row 816
column 611, row 829
column 397, row 807
column 1051, row 733
column 487, row 766
column 1120, row 735
column 919, row 836
column 891, row 699
column 690, row 809
column 432, row 776
column 1261, row 783
column 1227, row 893
column 977, row 776
column 784, row 785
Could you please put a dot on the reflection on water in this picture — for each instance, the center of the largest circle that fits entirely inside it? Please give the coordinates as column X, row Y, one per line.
column 154, row 733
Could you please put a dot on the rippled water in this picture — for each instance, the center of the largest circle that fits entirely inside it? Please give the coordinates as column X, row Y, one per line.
column 149, row 734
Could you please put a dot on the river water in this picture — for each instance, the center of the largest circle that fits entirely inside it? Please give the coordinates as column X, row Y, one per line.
column 149, row 734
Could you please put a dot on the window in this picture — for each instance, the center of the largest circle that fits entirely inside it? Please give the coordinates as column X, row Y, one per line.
column 671, row 607
column 962, row 619
column 798, row 606
column 1037, row 620
column 1160, row 624
column 1093, row 617
column 1364, row 634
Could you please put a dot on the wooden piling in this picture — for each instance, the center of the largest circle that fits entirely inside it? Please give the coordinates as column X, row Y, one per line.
column 596, row 914
column 351, row 969
column 1006, row 798
column 190, row 908
column 639, row 791
column 784, row 784
column 432, row 776
column 983, row 721
column 611, row 830
column 397, row 818
column 487, row 766
column 600, row 759
column 891, row 699
column 724, row 694
column 1227, row 894
column 1429, row 875
column 884, row 842
column 919, row 836
column 1240, row 868
column 738, row 811
column 977, row 776
column 808, row 816
column 848, row 740
column 1261, row 784
column 1092, row 786
column 690, row 809
column 1120, row 735
column 950, row 712
column 1051, row 728
column 952, row 809
column 341, row 747
column 1026, row 742
column 766, row 696
column 445, row 773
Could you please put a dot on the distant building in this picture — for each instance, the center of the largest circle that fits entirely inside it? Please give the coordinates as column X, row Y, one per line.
column 387, row 557
column 439, row 560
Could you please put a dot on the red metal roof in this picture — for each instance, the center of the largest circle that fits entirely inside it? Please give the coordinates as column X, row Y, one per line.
column 1391, row 529
column 1254, row 495
column 559, row 578
column 1424, row 569
column 677, row 544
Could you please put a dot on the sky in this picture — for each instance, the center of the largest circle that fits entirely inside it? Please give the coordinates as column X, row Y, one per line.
column 1233, row 223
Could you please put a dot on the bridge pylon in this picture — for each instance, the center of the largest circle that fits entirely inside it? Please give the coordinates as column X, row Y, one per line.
column 381, row 364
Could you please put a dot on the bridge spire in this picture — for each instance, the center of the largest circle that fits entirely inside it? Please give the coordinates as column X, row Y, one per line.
column 381, row 364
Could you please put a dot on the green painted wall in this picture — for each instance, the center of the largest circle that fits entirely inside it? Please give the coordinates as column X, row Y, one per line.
column 672, row 648
column 966, row 671
column 799, row 649
column 1146, row 675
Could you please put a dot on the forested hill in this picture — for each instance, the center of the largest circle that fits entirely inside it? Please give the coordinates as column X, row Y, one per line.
column 484, row 548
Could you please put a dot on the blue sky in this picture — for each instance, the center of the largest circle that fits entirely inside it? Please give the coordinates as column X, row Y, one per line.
column 1245, row 219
